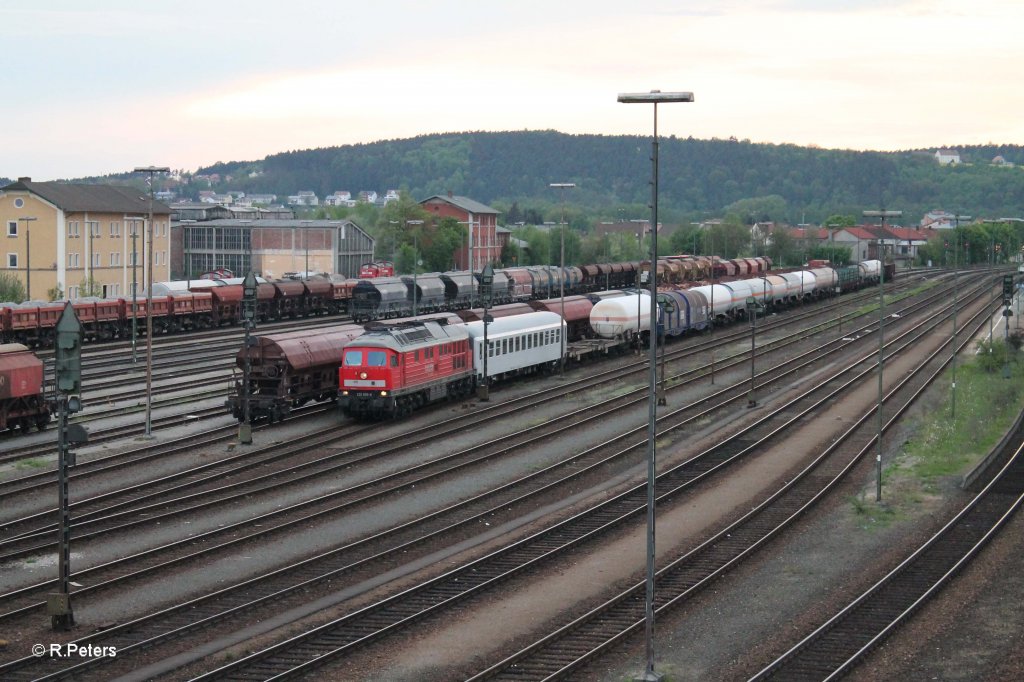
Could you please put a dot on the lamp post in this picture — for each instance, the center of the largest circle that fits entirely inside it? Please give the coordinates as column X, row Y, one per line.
column 640, row 224
column 135, row 290
column 469, row 259
column 561, row 280
column 956, row 304
column 185, row 225
column 305, row 244
column 752, row 308
column 882, row 214
column 415, row 267
column 654, row 97
column 28, row 258
column 150, row 171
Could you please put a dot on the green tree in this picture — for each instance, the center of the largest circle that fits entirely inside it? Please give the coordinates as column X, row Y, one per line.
column 90, row 287
column 11, row 288
column 837, row 221
column 439, row 243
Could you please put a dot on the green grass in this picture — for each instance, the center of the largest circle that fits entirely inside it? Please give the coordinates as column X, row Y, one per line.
column 944, row 447
column 33, row 463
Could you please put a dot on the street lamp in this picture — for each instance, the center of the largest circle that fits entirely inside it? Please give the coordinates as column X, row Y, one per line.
column 561, row 280
column 305, row 243
column 882, row 214
column 415, row 267
column 640, row 251
column 654, row 97
column 752, row 308
column 135, row 290
column 150, row 171
column 185, row 224
column 956, row 303
column 28, row 258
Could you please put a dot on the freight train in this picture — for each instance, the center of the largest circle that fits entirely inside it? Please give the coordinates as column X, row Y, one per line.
column 22, row 402
column 204, row 303
column 392, row 370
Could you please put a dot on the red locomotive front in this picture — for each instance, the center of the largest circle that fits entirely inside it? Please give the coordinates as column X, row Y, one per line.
column 391, row 370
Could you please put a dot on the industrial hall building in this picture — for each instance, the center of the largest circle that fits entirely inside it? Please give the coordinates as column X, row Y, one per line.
column 217, row 239
column 66, row 241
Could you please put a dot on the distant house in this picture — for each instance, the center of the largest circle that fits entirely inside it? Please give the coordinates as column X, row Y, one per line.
column 938, row 219
column 1000, row 161
column 304, row 198
column 947, row 157
column 262, row 199
column 390, row 195
column 368, row 197
column 339, row 198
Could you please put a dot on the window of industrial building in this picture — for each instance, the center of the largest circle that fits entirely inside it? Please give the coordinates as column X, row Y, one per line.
column 96, row 260
column 93, row 228
column 72, row 293
column 115, row 258
column 73, row 229
column 73, row 260
column 115, row 229
column 12, row 228
column 12, row 260
column 19, row 202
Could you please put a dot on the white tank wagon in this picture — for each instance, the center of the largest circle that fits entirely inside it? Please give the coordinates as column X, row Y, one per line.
column 801, row 284
column 870, row 270
column 826, row 281
column 719, row 299
column 616, row 318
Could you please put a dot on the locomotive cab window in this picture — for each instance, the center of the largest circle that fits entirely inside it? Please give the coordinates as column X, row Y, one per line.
column 353, row 358
column 394, row 361
column 376, row 358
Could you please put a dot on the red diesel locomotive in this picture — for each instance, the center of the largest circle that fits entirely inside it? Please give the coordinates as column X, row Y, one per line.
column 391, row 371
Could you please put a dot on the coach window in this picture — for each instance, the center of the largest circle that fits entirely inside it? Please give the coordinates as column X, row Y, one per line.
column 353, row 358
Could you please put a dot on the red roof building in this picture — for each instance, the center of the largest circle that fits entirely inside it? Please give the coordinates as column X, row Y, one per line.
column 484, row 246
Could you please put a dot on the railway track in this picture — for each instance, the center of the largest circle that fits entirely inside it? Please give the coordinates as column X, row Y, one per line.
column 837, row 646
column 641, row 443
column 115, row 514
column 303, row 654
column 580, row 642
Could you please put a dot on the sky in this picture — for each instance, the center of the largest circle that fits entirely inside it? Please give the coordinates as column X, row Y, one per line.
column 103, row 86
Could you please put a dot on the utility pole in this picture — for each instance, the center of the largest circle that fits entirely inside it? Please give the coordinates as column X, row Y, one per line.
column 151, row 171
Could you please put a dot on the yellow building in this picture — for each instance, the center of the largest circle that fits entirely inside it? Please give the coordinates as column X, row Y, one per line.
column 66, row 241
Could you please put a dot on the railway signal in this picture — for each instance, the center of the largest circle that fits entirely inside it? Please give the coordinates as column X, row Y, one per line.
column 68, row 377
column 249, row 286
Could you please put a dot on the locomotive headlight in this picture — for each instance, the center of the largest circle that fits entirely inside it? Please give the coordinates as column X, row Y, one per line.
column 383, row 394
column 362, row 375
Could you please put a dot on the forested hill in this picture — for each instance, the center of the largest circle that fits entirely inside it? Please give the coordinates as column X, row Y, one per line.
column 698, row 178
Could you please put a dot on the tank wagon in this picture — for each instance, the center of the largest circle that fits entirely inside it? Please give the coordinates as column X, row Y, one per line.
column 22, row 403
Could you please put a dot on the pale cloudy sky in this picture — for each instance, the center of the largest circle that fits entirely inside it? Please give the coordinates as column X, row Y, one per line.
column 100, row 86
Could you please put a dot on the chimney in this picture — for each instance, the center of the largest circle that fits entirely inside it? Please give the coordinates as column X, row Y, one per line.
column 24, row 179
column 449, row 194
